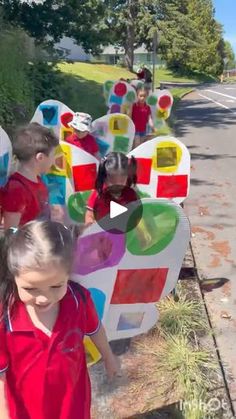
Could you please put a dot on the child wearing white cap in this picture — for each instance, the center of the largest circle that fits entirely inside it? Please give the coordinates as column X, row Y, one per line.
column 81, row 137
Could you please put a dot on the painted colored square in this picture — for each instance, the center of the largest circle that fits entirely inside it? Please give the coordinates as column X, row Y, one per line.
column 144, row 168
column 50, row 114
column 65, row 133
column 118, row 124
column 166, row 156
column 134, row 286
column 84, row 177
column 174, row 186
column 4, row 162
column 100, row 129
column 116, row 99
column 121, row 144
column 63, row 161
column 129, row 321
column 57, row 189
column 103, row 146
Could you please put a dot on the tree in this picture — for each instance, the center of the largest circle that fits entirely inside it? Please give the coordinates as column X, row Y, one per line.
column 49, row 20
column 133, row 23
column 229, row 56
column 207, row 57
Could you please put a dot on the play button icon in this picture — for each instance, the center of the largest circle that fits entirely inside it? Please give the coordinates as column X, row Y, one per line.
column 118, row 209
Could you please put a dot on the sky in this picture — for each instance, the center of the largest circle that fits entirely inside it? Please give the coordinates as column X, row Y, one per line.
column 226, row 14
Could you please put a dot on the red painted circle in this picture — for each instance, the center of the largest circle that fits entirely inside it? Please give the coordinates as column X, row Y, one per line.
column 164, row 102
column 120, row 89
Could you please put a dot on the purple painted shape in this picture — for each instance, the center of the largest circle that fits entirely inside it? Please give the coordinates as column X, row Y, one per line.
column 115, row 108
column 98, row 251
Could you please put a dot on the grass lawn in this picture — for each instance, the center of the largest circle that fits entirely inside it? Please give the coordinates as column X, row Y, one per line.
column 81, row 87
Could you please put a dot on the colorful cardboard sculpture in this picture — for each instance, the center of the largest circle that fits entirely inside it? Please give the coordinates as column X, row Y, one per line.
column 160, row 102
column 114, row 132
column 49, row 114
column 121, row 98
column 123, row 95
column 5, row 157
column 71, row 180
column 163, row 168
column 128, row 273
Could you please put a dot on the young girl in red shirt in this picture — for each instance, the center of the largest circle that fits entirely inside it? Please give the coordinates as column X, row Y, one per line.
column 43, row 319
column 142, row 117
column 114, row 169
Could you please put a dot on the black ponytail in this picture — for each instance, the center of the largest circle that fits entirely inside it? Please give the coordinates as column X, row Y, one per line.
column 8, row 288
column 116, row 163
column 101, row 176
column 132, row 172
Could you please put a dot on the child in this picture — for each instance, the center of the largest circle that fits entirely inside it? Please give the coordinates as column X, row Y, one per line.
column 25, row 197
column 141, row 116
column 114, row 169
column 81, row 123
column 43, row 322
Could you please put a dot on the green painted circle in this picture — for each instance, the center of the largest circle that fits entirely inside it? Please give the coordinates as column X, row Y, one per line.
column 77, row 206
column 155, row 231
column 152, row 100
column 130, row 97
column 108, row 85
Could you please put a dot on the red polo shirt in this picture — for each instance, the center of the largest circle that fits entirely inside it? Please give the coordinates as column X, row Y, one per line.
column 46, row 377
column 26, row 197
column 140, row 116
column 87, row 143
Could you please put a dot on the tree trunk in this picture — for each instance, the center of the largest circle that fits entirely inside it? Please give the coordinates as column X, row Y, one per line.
column 130, row 40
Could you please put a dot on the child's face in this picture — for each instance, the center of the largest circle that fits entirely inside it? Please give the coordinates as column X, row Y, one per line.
column 142, row 96
column 81, row 134
column 116, row 179
column 45, row 161
column 42, row 289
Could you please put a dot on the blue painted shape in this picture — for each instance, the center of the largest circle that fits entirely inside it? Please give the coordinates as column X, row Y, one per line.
column 116, row 99
column 103, row 146
column 56, row 188
column 4, row 162
column 99, row 299
column 50, row 115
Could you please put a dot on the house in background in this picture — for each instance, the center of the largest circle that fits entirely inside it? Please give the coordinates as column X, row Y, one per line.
column 116, row 55
column 110, row 55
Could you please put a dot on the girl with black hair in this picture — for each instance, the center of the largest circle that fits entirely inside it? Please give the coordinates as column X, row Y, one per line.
column 43, row 319
column 116, row 169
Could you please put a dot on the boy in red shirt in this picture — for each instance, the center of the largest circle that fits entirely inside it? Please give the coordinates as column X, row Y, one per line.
column 82, row 123
column 142, row 117
column 25, row 196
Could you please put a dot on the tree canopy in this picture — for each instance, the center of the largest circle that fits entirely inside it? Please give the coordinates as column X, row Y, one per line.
column 190, row 38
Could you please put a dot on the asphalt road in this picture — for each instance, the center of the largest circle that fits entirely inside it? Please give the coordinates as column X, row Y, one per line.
column 206, row 123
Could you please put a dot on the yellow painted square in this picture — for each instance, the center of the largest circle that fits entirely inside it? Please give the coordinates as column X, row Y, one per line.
column 118, row 125
column 92, row 354
column 65, row 132
column 167, row 157
column 63, row 161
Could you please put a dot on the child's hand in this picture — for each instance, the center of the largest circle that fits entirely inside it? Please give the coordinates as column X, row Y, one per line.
column 112, row 365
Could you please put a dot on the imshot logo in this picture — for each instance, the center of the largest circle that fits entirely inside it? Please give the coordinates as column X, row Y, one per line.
column 214, row 404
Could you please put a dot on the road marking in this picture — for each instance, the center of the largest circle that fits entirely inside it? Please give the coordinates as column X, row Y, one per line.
column 217, row 103
column 221, row 94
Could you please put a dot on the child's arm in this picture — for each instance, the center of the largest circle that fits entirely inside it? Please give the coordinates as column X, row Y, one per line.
column 11, row 219
column 89, row 217
column 3, row 402
column 151, row 123
column 110, row 360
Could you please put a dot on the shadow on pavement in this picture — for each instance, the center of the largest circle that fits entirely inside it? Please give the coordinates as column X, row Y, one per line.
column 197, row 113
